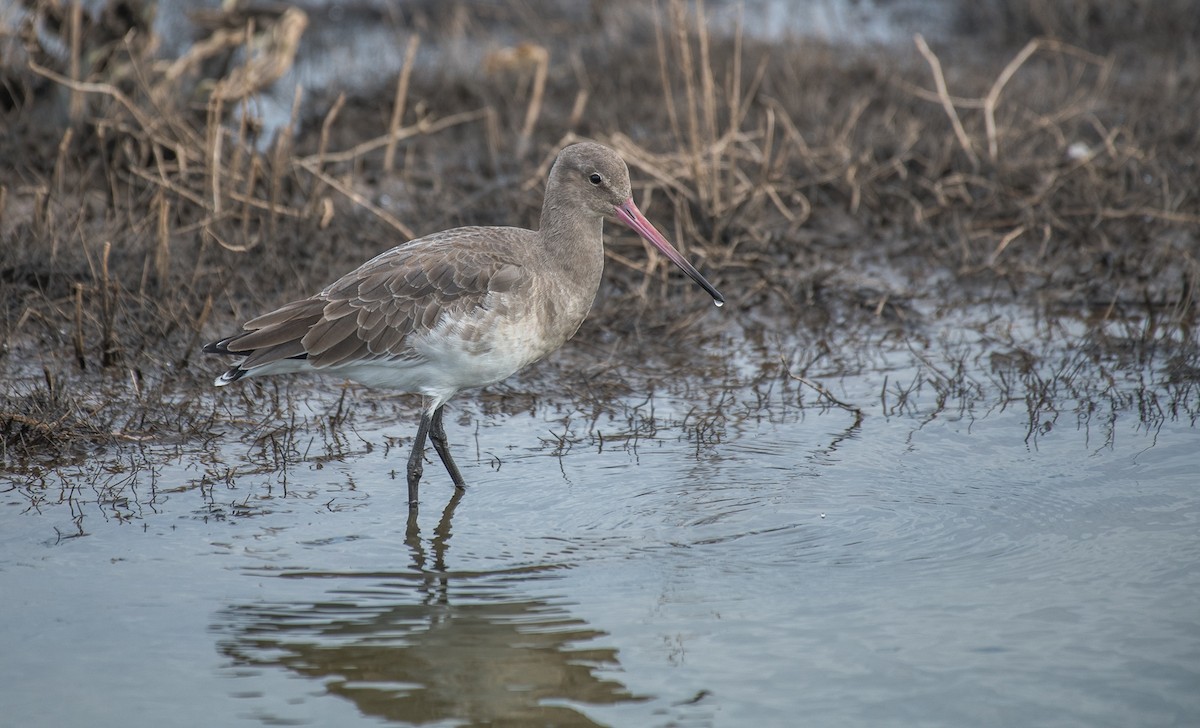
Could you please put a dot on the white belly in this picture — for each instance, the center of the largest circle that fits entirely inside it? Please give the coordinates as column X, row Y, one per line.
column 463, row 354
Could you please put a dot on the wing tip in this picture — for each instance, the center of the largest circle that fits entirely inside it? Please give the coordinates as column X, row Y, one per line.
column 234, row 373
column 221, row 346
column 230, row 376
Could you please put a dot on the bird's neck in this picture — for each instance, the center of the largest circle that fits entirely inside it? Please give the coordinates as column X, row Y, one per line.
column 573, row 242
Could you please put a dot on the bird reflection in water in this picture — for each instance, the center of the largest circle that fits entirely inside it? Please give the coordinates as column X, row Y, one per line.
column 431, row 643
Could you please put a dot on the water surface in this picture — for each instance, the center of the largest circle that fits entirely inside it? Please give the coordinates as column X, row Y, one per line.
column 717, row 548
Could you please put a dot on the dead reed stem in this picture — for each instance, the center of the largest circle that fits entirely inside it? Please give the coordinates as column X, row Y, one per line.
column 541, row 59
column 216, row 136
column 410, row 55
column 162, row 251
column 108, row 346
column 993, row 97
column 64, row 145
column 248, row 195
column 314, row 195
column 708, row 90
column 733, row 85
column 196, row 199
column 358, row 199
column 577, row 109
column 939, row 80
column 280, row 150
column 77, row 339
column 683, row 43
column 421, row 128
column 74, row 64
column 665, row 77
column 197, row 332
column 241, row 145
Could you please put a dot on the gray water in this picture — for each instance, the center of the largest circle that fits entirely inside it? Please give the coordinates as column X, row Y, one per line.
column 714, row 548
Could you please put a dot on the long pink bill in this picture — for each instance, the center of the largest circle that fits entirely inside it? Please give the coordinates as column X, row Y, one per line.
column 628, row 213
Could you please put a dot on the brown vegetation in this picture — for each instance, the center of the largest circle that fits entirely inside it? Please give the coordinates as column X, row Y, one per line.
column 143, row 209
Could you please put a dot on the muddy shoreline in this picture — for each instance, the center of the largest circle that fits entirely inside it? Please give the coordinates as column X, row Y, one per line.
column 858, row 196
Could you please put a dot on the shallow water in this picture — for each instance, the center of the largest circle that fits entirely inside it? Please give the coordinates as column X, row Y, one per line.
column 716, row 549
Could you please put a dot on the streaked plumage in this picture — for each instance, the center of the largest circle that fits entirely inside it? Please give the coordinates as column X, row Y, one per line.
column 457, row 309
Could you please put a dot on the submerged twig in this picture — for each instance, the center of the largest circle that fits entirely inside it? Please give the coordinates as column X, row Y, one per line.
column 822, row 391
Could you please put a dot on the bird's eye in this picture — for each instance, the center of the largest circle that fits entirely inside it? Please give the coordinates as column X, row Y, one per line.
column 595, row 178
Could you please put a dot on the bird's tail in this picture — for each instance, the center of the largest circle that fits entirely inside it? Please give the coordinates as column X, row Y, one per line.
column 233, row 374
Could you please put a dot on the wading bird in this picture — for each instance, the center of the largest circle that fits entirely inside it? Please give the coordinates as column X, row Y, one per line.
column 461, row 308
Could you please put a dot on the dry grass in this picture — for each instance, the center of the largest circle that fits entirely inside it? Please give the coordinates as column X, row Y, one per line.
column 151, row 212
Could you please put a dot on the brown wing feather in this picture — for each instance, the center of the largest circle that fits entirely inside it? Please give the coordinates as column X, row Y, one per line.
column 288, row 350
column 369, row 313
column 281, row 326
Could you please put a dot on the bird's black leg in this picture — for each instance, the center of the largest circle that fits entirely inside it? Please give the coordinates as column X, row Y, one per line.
column 437, row 433
column 416, row 459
